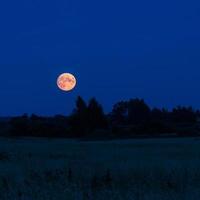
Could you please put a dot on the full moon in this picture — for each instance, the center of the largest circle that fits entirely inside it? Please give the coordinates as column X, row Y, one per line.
column 66, row 82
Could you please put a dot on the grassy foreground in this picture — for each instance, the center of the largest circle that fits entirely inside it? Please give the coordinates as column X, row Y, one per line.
column 42, row 169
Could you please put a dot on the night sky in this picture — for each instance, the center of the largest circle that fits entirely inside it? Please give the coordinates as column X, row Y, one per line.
column 117, row 50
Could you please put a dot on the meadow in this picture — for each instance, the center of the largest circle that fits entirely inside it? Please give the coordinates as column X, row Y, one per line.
column 137, row 169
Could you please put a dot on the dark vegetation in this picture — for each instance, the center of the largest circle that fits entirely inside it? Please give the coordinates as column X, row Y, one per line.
column 132, row 118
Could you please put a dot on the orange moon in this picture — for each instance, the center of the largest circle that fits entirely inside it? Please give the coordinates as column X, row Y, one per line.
column 66, row 82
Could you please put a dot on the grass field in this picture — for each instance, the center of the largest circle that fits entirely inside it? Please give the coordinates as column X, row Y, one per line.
column 59, row 169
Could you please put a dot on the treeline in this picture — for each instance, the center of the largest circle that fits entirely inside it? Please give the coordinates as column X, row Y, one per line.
column 132, row 118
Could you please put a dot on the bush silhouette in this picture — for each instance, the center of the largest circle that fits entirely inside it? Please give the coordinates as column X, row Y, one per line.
column 127, row 119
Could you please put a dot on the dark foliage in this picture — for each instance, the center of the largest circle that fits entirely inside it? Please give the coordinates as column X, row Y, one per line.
column 79, row 119
column 36, row 126
column 119, row 113
column 87, row 118
column 138, row 111
column 96, row 116
column 132, row 118
column 183, row 115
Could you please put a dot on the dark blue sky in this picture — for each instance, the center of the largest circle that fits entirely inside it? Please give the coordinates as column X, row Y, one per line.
column 117, row 50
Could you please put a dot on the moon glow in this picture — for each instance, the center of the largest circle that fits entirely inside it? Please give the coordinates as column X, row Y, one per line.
column 66, row 82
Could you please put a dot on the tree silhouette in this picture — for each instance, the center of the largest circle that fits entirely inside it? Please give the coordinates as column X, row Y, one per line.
column 20, row 126
column 138, row 111
column 81, row 106
column 79, row 119
column 128, row 119
column 119, row 113
column 183, row 115
column 96, row 117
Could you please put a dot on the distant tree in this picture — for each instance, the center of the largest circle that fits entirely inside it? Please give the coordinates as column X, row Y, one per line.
column 138, row 111
column 183, row 115
column 159, row 114
column 34, row 117
column 96, row 116
column 197, row 113
column 127, row 119
column 20, row 126
column 119, row 113
column 81, row 106
column 56, row 126
column 156, row 114
column 85, row 119
column 79, row 118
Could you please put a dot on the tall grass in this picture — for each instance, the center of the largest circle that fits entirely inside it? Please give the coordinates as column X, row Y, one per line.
column 129, row 170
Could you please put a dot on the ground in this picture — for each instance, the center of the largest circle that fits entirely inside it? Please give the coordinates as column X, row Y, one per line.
column 52, row 169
